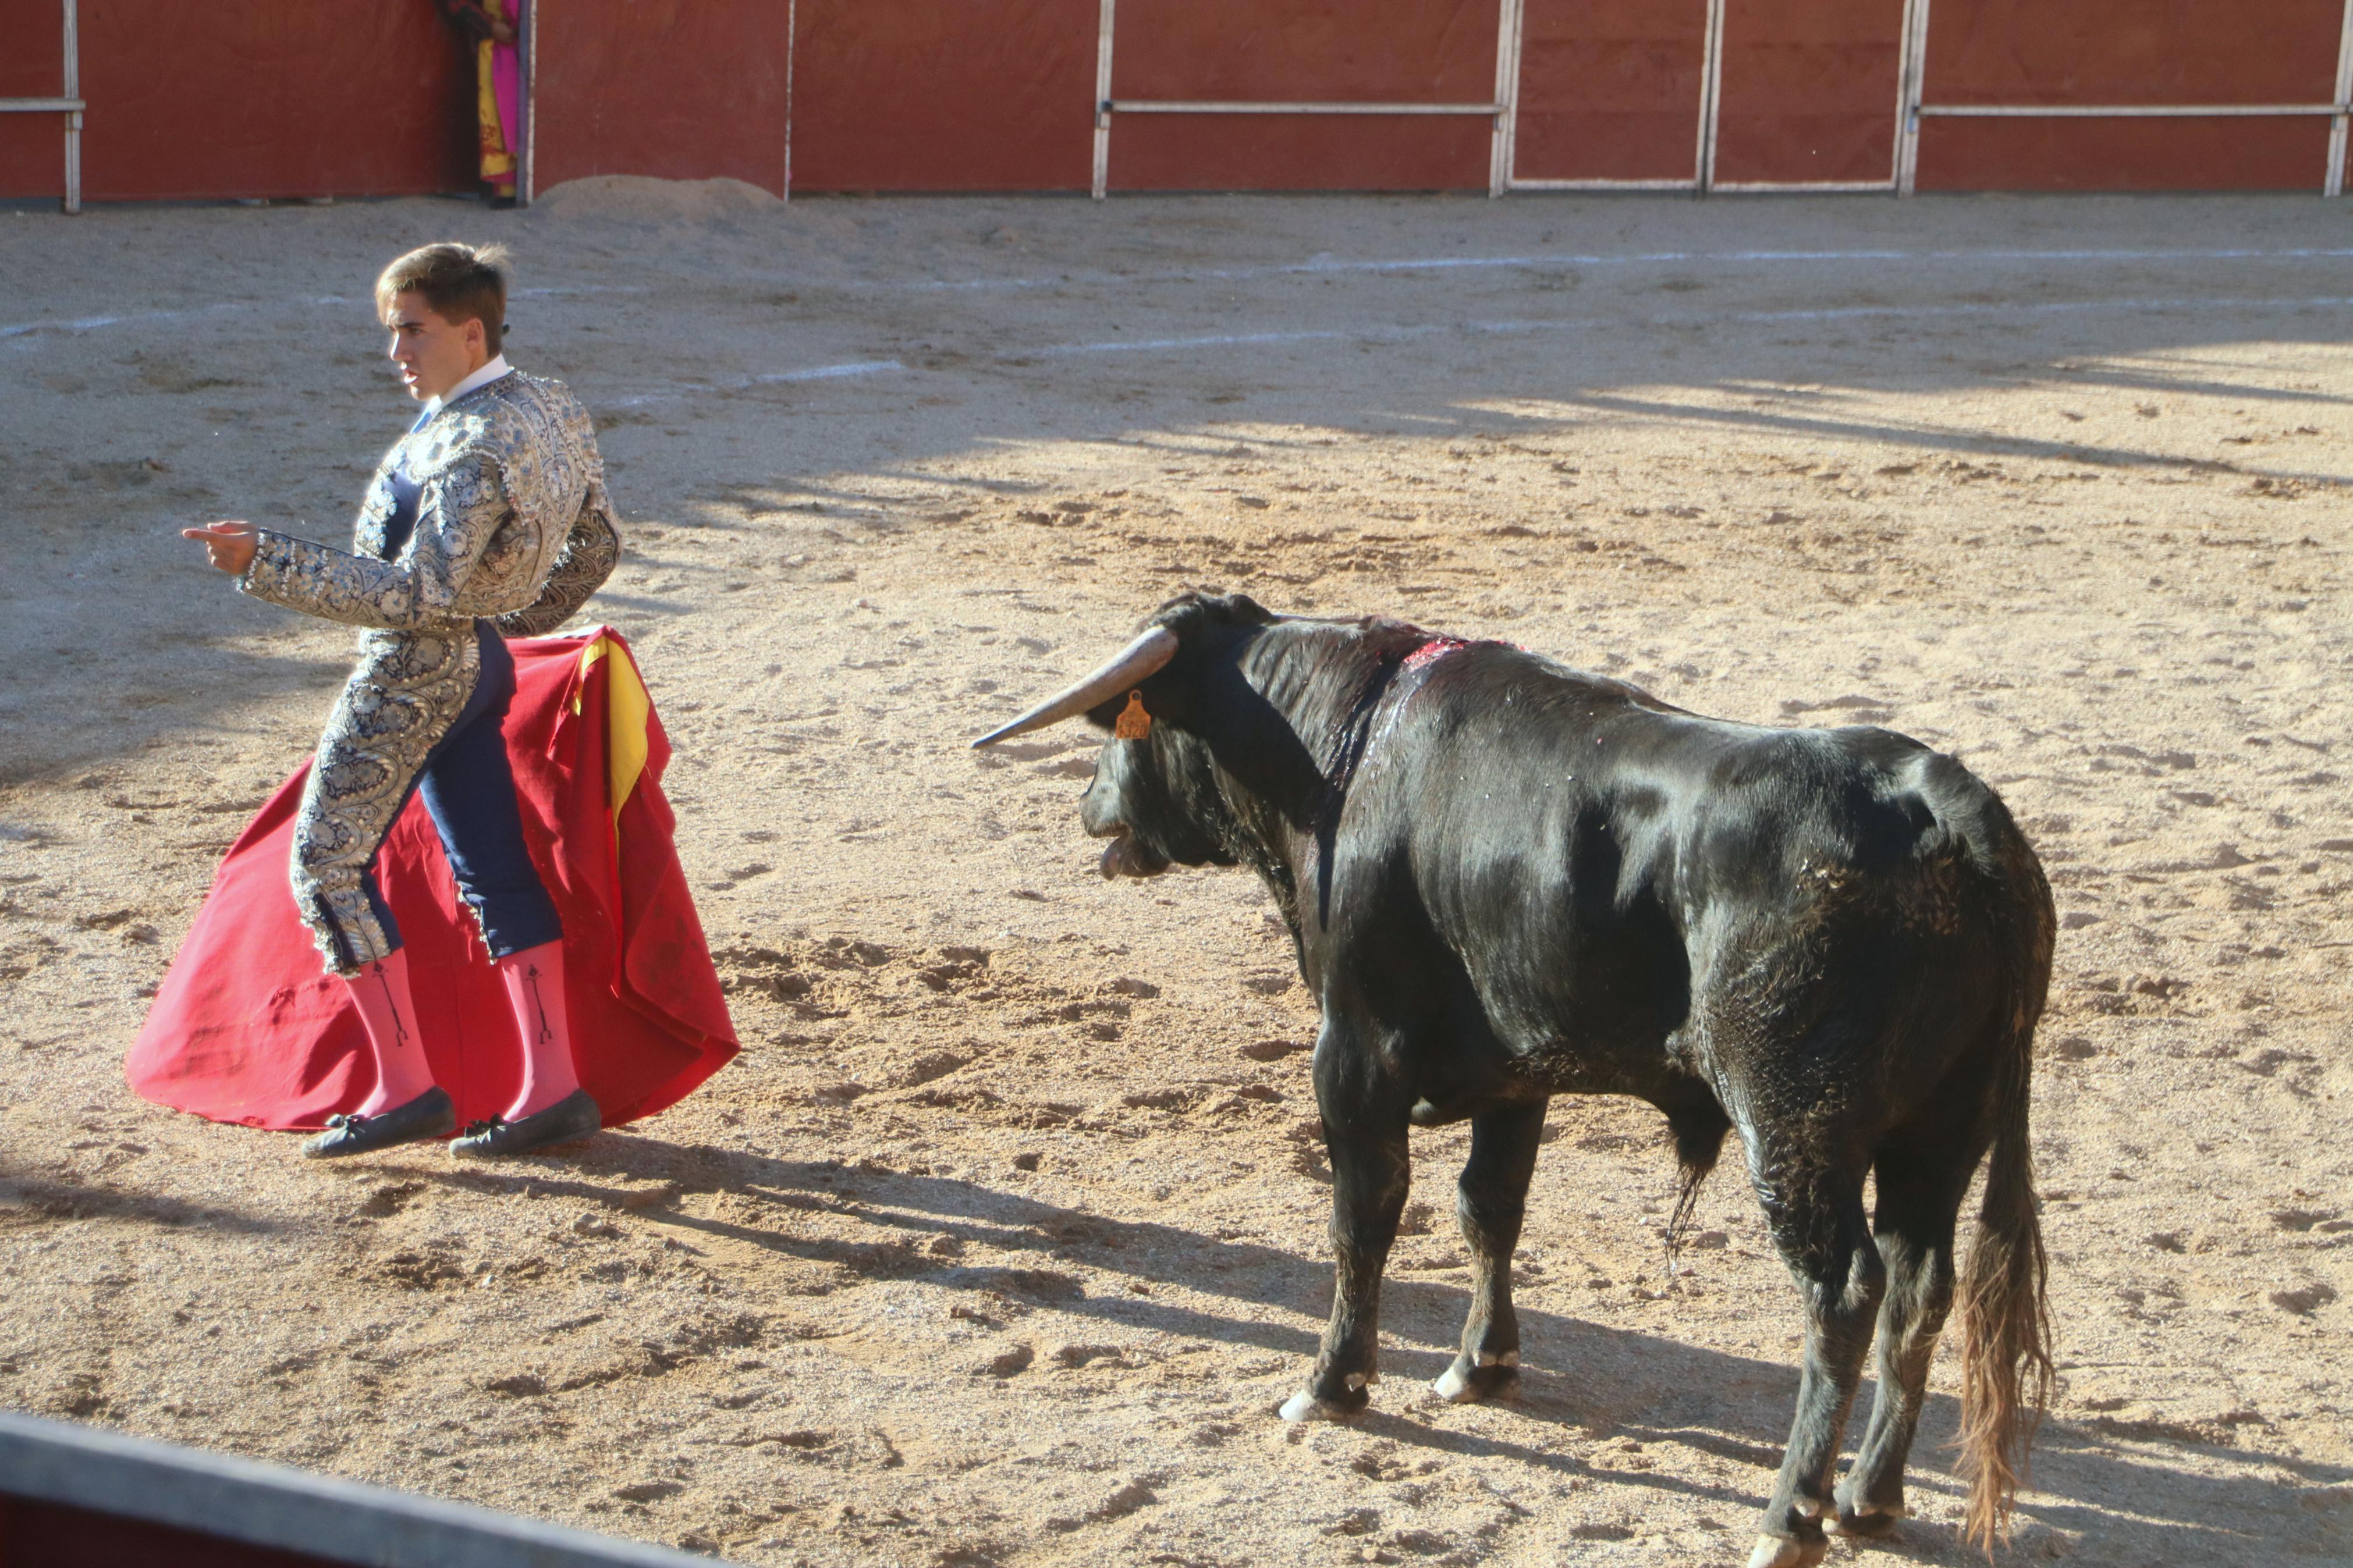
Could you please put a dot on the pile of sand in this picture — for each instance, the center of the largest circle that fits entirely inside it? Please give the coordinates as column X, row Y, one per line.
column 641, row 198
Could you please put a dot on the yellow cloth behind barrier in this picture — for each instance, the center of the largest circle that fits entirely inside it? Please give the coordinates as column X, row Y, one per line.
column 498, row 159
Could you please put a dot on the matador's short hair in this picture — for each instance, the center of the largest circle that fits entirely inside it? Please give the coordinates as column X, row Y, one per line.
column 460, row 283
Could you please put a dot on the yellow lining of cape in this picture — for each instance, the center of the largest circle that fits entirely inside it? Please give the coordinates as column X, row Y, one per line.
column 627, row 707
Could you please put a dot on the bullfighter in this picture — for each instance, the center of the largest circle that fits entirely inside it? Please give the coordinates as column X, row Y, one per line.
column 489, row 519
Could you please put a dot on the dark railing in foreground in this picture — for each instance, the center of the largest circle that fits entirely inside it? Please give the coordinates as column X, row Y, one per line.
column 71, row 1494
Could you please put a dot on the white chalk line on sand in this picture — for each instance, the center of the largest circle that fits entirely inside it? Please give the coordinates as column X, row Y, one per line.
column 1316, row 265
column 851, row 368
column 1434, row 329
column 770, row 378
column 1745, row 318
column 92, row 324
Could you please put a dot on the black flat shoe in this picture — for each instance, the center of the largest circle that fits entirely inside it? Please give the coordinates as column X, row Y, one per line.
column 429, row 1115
column 573, row 1116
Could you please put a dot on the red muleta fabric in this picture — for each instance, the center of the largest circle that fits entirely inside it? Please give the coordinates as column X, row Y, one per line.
column 248, row 1029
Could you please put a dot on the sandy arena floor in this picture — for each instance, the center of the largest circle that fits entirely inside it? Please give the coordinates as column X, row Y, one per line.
column 1004, row 1236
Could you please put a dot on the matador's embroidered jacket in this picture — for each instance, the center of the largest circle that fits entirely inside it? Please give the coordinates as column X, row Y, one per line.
column 512, row 526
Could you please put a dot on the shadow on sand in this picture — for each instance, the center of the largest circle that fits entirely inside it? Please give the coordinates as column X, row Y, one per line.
column 41, row 1198
column 1596, row 1379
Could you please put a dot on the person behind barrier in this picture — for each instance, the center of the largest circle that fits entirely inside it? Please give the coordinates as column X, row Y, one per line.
column 493, row 32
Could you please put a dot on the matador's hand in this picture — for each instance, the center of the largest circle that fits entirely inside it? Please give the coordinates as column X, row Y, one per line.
column 230, row 544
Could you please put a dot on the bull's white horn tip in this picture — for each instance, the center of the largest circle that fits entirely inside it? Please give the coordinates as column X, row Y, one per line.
column 1138, row 660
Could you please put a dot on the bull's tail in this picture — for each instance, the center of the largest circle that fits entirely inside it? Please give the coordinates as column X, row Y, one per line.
column 2005, row 1318
column 2006, row 1372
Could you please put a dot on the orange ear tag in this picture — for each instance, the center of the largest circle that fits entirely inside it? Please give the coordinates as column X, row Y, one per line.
column 1133, row 723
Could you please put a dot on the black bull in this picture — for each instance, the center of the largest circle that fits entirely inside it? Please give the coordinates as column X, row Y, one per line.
column 1507, row 879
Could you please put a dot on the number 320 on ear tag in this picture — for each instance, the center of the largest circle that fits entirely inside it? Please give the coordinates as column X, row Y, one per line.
column 1133, row 723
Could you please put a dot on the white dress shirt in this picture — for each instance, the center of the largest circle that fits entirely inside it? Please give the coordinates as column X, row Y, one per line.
column 482, row 377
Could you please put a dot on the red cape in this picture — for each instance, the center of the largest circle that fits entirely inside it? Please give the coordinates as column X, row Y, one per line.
column 248, row 1029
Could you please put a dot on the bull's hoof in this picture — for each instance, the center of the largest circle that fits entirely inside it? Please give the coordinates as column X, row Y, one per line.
column 1465, row 1385
column 1781, row 1551
column 1863, row 1520
column 1305, row 1406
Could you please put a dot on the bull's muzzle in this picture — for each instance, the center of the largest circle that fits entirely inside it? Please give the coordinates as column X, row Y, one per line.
column 1124, row 857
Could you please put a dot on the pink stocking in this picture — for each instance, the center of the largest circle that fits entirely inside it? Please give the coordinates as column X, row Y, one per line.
column 381, row 989
column 534, row 980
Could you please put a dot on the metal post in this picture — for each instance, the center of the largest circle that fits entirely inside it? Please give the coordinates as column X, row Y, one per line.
column 1507, row 96
column 527, row 176
column 1102, row 100
column 74, row 116
column 792, row 49
column 1711, row 83
column 2333, row 183
column 1910, row 72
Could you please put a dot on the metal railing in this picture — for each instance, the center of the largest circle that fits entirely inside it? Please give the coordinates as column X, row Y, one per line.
column 69, row 102
column 1910, row 110
column 1503, row 112
column 1916, row 47
column 1498, row 114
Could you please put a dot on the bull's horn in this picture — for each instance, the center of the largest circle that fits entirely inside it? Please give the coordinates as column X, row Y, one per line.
column 1137, row 662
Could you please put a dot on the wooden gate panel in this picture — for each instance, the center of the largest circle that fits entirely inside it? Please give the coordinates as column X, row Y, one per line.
column 32, row 146
column 1808, row 91
column 2222, row 153
column 1430, row 51
column 2128, row 52
column 1609, row 89
column 2132, row 51
column 944, row 95
column 1300, row 153
column 667, row 88
column 1304, row 51
column 264, row 97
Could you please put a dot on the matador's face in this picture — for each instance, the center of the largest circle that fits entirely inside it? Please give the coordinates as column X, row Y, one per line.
column 434, row 352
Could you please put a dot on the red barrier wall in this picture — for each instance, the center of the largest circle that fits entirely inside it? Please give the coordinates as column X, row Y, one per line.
column 2220, row 154
column 32, row 146
column 50, row 1533
column 2128, row 52
column 261, row 98
column 1369, row 51
column 944, row 95
column 670, row 87
column 2133, row 52
column 1807, row 90
column 1609, row 89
